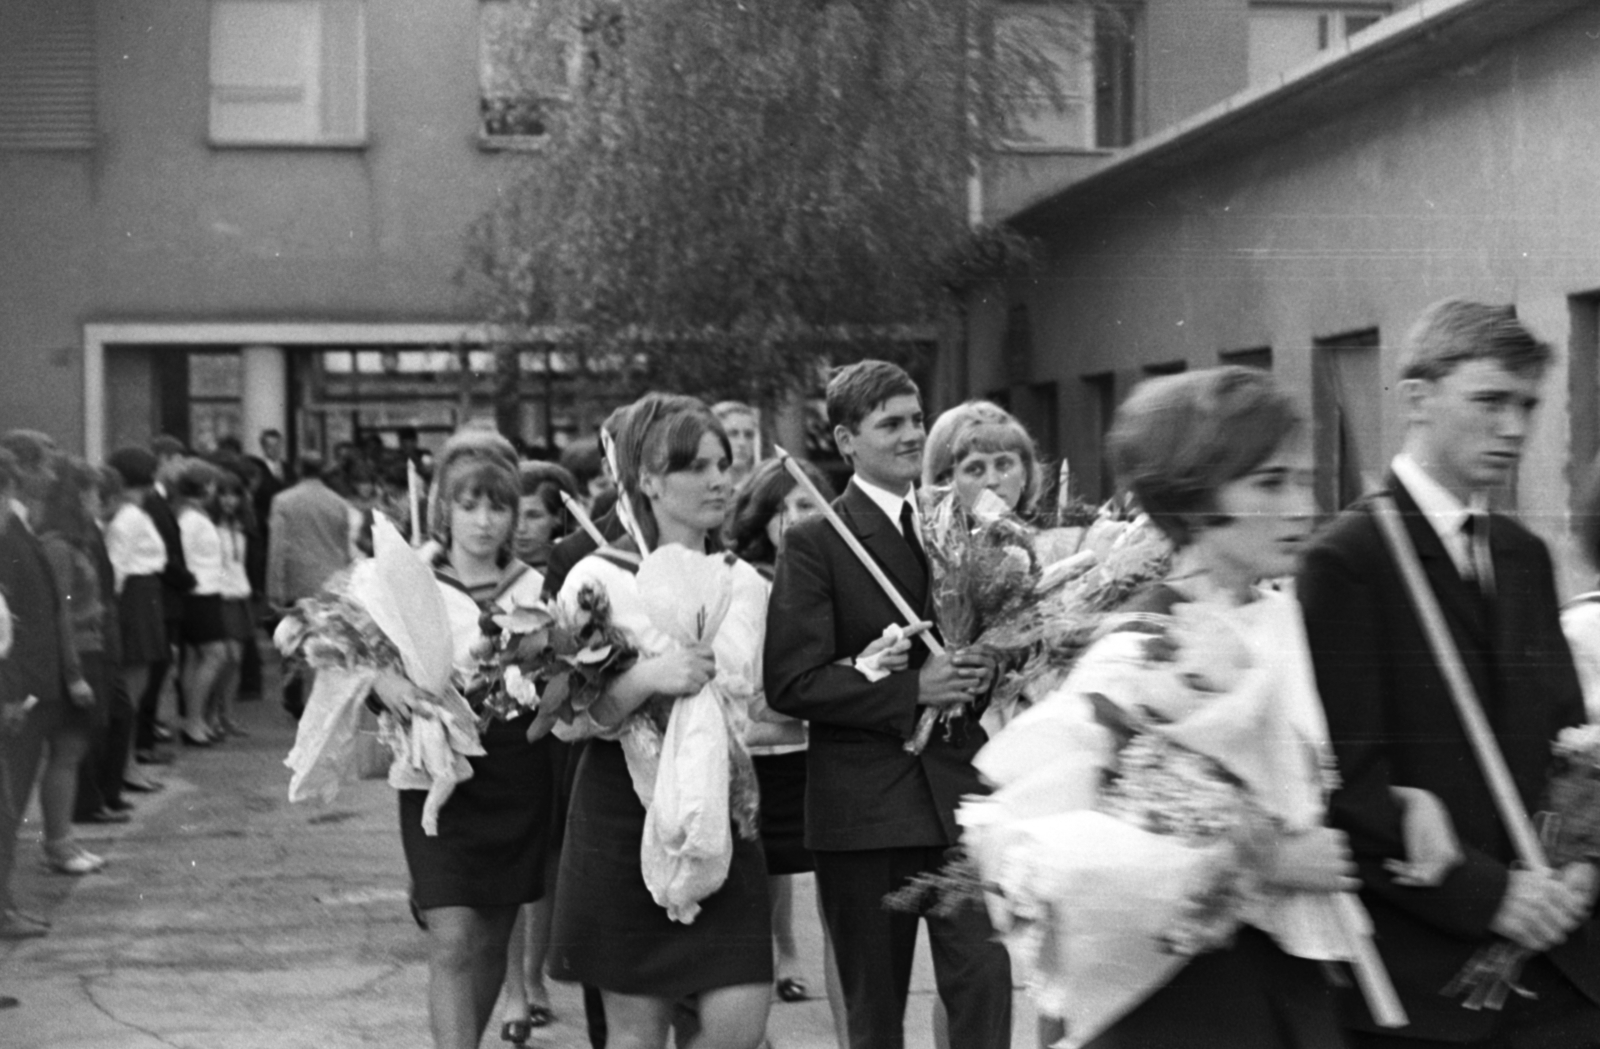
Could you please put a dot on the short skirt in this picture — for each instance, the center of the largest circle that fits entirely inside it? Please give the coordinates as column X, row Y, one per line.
column 144, row 630
column 238, row 619
column 202, row 619
column 783, row 812
column 490, row 849
column 610, row 933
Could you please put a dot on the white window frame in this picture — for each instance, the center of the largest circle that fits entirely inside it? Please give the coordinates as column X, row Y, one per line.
column 329, row 91
column 1331, row 19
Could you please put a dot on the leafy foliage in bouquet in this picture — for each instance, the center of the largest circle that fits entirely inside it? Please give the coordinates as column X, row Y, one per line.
column 983, row 563
column 332, row 631
column 1572, row 820
column 557, row 663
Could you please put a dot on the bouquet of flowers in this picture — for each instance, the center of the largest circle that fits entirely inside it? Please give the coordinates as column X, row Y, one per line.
column 1133, row 805
column 703, row 777
column 1570, row 832
column 554, row 661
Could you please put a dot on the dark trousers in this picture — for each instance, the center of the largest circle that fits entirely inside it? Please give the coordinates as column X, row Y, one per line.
column 149, row 702
column 100, row 772
column 874, row 947
column 20, row 754
column 1559, row 1018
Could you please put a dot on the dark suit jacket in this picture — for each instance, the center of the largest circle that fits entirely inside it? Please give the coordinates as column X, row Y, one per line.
column 863, row 790
column 176, row 580
column 575, row 548
column 1393, row 722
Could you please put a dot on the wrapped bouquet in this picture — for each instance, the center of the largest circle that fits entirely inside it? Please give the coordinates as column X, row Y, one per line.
column 1132, row 806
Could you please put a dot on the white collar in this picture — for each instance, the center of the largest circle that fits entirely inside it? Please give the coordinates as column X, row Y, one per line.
column 886, row 500
column 1438, row 504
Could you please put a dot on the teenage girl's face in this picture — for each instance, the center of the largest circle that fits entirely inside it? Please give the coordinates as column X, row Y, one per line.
column 229, row 502
column 536, row 530
column 479, row 526
column 1004, row 473
column 797, row 506
column 1270, row 513
column 696, row 497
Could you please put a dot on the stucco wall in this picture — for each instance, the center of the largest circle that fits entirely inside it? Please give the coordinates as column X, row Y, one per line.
column 156, row 224
column 1479, row 181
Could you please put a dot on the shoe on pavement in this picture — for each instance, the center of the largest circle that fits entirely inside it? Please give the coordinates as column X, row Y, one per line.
column 152, row 757
column 69, row 858
column 104, row 815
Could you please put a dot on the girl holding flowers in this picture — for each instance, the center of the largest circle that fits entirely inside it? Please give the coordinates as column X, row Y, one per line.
column 714, row 946
column 1156, row 844
column 487, row 858
column 977, row 446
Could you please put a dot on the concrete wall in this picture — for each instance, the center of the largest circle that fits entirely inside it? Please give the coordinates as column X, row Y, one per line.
column 155, row 224
column 1479, row 181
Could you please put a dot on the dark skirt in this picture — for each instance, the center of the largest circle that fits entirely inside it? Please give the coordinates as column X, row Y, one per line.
column 1251, row 994
column 202, row 619
column 783, row 812
column 144, row 629
column 609, row 932
column 490, row 848
column 238, row 624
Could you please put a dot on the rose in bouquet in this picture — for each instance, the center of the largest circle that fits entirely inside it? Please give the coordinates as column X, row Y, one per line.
column 555, row 661
column 1569, row 830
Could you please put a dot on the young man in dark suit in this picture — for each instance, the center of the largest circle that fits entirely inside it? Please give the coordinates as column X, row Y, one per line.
column 1470, row 380
column 876, row 815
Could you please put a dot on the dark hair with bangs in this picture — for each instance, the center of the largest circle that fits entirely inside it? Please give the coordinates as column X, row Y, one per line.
column 1177, row 439
column 856, row 390
column 1452, row 332
column 662, row 435
column 473, row 463
column 759, row 500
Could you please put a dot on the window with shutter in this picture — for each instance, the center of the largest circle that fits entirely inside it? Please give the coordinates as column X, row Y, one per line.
column 288, row 73
column 47, row 75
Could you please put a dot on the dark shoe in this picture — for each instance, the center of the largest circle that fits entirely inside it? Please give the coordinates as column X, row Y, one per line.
column 792, row 989
column 152, row 757
column 14, row 926
column 161, row 734
column 144, row 786
column 195, row 741
column 233, row 728
column 540, row 1016
column 103, row 816
column 516, row 1032
column 120, row 805
column 8, row 1002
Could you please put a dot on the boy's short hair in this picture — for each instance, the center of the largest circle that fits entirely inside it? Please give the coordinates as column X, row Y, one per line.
column 1178, row 439
column 856, row 390
column 166, row 446
column 1453, row 331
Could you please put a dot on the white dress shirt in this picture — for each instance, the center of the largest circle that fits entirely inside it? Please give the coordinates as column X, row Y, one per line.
column 1444, row 511
column 890, row 503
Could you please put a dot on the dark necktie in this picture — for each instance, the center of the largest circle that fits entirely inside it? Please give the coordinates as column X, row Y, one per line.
column 1481, row 568
column 908, row 528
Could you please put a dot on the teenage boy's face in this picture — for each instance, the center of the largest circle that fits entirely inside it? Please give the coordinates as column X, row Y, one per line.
column 886, row 448
column 1474, row 423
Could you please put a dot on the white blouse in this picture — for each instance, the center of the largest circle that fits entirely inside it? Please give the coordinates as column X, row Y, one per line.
column 235, row 580
column 202, row 550
column 133, row 544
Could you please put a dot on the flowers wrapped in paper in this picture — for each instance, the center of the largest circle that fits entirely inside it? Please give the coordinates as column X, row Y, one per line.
column 1124, row 833
column 385, row 614
column 703, row 779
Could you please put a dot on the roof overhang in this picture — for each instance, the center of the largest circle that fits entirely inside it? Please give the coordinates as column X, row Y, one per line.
column 1400, row 49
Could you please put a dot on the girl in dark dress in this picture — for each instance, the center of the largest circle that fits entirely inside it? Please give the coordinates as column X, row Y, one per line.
column 487, row 860
column 609, row 931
